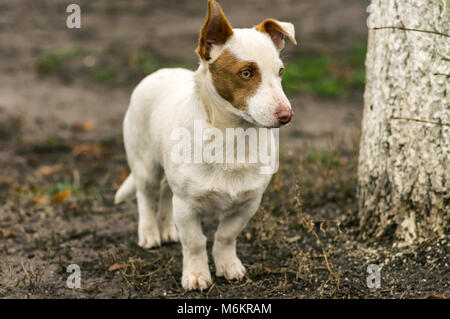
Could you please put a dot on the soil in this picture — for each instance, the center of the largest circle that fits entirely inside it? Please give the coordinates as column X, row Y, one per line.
column 62, row 160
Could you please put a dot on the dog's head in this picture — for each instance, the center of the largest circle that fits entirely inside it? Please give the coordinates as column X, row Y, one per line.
column 245, row 68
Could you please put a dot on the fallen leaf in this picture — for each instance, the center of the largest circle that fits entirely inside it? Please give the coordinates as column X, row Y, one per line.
column 116, row 266
column 84, row 126
column 93, row 148
column 293, row 239
column 7, row 180
column 434, row 296
column 40, row 200
column 6, row 233
column 49, row 169
column 22, row 188
column 61, row 196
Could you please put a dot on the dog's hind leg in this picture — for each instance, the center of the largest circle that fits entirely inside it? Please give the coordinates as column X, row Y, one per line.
column 166, row 224
column 146, row 194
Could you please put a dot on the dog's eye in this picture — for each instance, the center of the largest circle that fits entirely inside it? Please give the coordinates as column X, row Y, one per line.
column 280, row 73
column 246, row 74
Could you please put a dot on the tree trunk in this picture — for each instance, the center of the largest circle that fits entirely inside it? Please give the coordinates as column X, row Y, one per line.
column 403, row 174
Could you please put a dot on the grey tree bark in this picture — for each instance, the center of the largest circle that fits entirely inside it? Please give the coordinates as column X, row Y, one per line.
column 403, row 173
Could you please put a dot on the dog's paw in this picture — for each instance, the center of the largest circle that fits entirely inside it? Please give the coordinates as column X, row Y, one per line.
column 149, row 236
column 169, row 234
column 196, row 280
column 231, row 269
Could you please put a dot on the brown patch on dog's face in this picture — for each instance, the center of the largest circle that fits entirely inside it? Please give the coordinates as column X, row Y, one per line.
column 235, row 80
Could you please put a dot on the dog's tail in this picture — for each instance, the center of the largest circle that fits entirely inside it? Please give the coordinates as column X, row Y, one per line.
column 126, row 190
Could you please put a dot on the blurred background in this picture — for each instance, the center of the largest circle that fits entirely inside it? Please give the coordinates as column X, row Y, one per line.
column 56, row 76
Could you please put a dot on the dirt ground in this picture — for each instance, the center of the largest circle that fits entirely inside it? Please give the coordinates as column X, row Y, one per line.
column 62, row 159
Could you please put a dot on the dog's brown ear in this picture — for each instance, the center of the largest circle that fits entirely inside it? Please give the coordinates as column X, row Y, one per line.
column 216, row 30
column 277, row 30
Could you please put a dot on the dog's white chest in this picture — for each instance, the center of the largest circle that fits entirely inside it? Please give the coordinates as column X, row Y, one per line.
column 216, row 200
column 222, row 191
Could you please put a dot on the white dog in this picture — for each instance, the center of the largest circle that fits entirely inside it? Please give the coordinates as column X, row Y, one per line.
column 237, row 86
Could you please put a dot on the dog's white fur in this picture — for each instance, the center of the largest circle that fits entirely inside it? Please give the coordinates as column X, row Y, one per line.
column 174, row 98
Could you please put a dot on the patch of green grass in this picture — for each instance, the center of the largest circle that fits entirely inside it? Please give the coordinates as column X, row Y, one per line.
column 53, row 61
column 326, row 75
column 39, row 189
column 146, row 60
column 104, row 74
column 357, row 55
column 61, row 187
column 112, row 66
column 328, row 87
column 357, row 59
column 325, row 158
column 53, row 141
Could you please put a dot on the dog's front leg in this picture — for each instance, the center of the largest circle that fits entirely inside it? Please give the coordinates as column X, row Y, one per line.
column 196, row 274
column 224, row 249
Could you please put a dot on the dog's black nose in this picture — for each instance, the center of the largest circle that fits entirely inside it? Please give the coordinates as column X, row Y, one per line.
column 284, row 116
